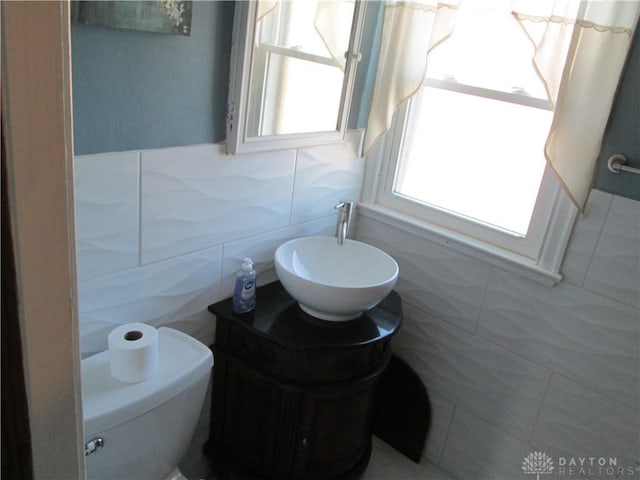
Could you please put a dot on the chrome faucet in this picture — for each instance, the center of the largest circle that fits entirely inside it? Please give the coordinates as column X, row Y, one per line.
column 344, row 219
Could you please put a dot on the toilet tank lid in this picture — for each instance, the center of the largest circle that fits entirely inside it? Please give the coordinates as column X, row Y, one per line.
column 107, row 402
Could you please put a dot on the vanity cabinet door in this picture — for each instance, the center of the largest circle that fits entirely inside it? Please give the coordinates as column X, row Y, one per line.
column 252, row 424
column 335, row 430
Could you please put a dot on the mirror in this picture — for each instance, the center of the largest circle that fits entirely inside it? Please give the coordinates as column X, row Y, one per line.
column 293, row 66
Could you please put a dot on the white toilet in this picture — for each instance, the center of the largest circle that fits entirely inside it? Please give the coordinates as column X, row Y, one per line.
column 140, row 431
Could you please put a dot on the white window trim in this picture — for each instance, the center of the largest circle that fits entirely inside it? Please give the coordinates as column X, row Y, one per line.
column 517, row 98
column 543, row 267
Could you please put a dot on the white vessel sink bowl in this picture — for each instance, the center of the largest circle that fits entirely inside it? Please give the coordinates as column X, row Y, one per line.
column 335, row 282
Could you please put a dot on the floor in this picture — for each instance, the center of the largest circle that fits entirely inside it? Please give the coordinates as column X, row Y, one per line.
column 386, row 463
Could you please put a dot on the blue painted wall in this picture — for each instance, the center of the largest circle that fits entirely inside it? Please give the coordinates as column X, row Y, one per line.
column 623, row 131
column 136, row 90
column 366, row 73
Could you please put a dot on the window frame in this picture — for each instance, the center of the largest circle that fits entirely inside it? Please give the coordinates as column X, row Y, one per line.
column 264, row 52
column 239, row 139
column 552, row 221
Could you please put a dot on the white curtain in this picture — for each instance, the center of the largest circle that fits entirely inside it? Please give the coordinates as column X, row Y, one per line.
column 581, row 84
column 409, row 31
column 580, row 51
column 333, row 23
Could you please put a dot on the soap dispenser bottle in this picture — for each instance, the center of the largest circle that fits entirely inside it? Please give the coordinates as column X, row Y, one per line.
column 244, row 294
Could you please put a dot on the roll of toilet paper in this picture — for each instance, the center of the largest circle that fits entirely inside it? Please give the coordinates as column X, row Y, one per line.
column 133, row 352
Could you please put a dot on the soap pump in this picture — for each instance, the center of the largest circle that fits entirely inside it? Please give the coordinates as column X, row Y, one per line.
column 244, row 294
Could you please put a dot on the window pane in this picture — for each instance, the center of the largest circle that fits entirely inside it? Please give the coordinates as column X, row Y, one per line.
column 488, row 49
column 293, row 105
column 475, row 157
column 295, row 24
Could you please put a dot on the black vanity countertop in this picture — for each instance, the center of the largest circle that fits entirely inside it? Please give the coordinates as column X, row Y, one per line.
column 278, row 317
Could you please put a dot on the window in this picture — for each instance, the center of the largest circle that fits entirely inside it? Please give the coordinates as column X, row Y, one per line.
column 465, row 156
column 294, row 60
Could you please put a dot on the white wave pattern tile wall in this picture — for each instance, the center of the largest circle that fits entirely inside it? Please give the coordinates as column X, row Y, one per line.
column 584, row 238
column 441, row 415
column 615, row 268
column 189, row 215
column 476, row 449
column 516, row 366
column 575, row 418
column 436, row 279
column 321, row 182
column 158, row 294
column 197, row 196
column 106, row 208
column 496, row 385
column 585, row 336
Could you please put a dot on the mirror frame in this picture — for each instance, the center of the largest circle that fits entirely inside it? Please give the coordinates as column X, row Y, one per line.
column 238, row 141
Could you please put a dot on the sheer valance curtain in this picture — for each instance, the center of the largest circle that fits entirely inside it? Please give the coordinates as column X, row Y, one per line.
column 579, row 49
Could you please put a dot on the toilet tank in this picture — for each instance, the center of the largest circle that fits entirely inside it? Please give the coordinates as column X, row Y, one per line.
column 147, row 426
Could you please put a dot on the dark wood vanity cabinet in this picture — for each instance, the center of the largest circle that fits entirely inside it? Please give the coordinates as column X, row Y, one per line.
column 292, row 395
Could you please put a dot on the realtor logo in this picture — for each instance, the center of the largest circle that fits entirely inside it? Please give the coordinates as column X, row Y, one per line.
column 537, row 463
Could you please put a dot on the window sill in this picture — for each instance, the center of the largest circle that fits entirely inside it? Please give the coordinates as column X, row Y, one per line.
column 490, row 254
